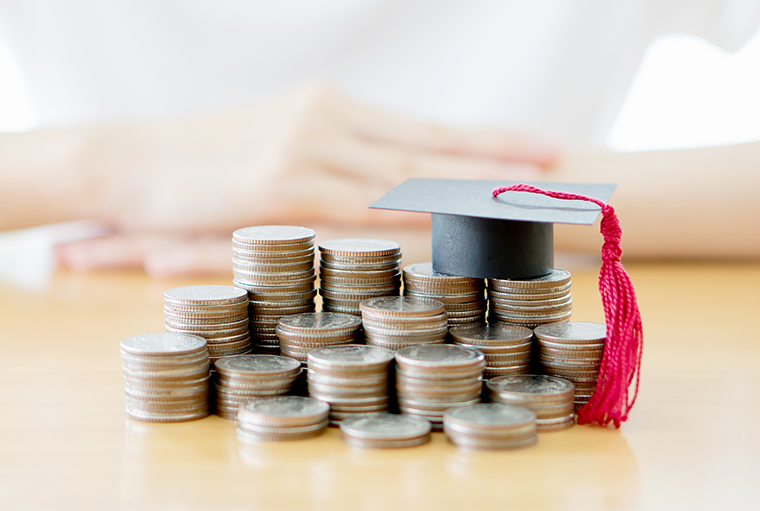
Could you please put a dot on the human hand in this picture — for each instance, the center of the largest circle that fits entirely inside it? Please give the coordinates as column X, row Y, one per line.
column 311, row 156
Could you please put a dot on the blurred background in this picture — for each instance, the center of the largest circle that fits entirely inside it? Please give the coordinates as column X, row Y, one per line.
column 613, row 77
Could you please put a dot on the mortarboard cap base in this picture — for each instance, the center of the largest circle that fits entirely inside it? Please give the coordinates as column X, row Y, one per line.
column 492, row 248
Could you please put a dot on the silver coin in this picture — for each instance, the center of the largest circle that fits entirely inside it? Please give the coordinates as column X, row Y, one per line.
column 403, row 306
column 491, row 334
column 206, row 295
column 320, row 321
column 490, row 415
column 273, row 234
column 286, row 408
column 439, row 356
column 531, row 384
column 573, row 332
column 425, row 271
column 359, row 247
column 257, row 364
column 350, row 355
column 557, row 277
column 163, row 343
column 385, row 426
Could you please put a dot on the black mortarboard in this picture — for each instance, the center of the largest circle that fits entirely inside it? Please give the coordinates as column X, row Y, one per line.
column 506, row 237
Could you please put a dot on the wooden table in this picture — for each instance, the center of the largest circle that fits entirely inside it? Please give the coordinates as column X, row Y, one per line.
column 692, row 441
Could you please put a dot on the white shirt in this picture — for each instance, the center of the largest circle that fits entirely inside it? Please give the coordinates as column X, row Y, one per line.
column 560, row 67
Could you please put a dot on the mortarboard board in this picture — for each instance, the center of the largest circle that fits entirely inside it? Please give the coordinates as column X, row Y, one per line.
column 507, row 237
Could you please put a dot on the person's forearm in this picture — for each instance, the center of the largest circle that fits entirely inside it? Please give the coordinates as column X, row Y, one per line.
column 692, row 203
column 42, row 178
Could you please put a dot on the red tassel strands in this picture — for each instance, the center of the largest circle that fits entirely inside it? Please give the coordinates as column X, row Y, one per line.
column 621, row 362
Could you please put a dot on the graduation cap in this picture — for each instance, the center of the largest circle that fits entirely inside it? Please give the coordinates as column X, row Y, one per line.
column 507, row 237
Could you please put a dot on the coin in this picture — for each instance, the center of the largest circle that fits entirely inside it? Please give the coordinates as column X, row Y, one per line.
column 385, row 430
column 490, row 426
column 284, row 411
column 273, row 235
column 359, row 247
column 205, row 295
column 163, row 344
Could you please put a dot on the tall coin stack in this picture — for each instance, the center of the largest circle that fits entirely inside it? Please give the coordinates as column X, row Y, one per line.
column 166, row 377
column 242, row 378
column 219, row 314
column 531, row 302
column 490, row 427
column 354, row 269
column 351, row 379
column 550, row 398
column 507, row 348
column 573, row 350
column 281, row 418
column 463, row 296
column 432, row 379
column 395, row 322
column 301, row 333
column 275, row 264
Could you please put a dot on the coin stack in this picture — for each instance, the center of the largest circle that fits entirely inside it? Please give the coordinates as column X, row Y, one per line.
column 219, row 314
column 433, row 378
column 550, row 398
column 166, row 377
column 507, row 348
column 242, row 378
column 275, row 264
column 395, row 322
column 490, row 427
column 531, row 302
column 385, row 431
column 352, row 270
column 573, row 350
column 281, row 418
column 301, row 333
column 351, row 379
column 463, row 296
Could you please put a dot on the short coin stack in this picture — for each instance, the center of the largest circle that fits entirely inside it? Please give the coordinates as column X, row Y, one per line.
column 490, row 426
column 531, row 302
column 281, row 418
column 385, row 431
column 352, row 379
column 573, row 350
column 395, row 322
column 242, row 378
column 275, row 264
column 354, row 269
column 432, row 379
column 550, row 398
column 301, row 333
column 463, row 296
column 166, row 377
column 507, row 348
column 219, row 314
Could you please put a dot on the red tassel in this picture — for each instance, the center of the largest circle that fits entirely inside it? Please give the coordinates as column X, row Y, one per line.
column 621, row 362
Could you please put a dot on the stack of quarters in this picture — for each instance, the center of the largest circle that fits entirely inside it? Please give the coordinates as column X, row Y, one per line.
column 166, row 377
column 275, row 264
column 219, row 314
column 432, row 379
column 385, row 431
column 281, row 418
column 490, row 427
column 352, row 270
column 463, row 296
column 573, row 350
column 550, row 398
column 351, row 379
column 301, row 333
column 530, row 302
column 507, row 348
column 242, row 378
column 395, row 322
